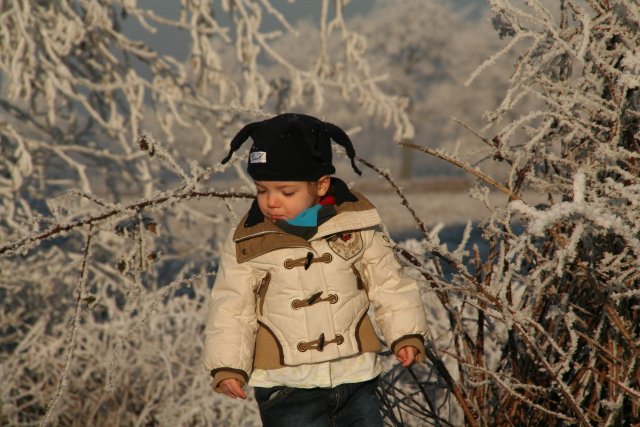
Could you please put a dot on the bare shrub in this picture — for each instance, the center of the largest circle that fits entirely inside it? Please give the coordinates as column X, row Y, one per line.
column 543, row 327
column 105, row 262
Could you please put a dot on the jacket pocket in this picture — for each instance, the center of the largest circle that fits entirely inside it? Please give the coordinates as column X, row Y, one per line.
column 268, row 351
column 366, row 336
column 268, row 397
column 262, row 291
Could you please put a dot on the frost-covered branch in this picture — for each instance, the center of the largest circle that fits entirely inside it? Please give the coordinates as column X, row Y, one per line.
column 555, row 286
column 467, row 168
column 75, row 323
column 24, row 245
column 80, row 100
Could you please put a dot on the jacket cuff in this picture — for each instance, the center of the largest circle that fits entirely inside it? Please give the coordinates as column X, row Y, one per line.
column 226, row 373
column 416, row 341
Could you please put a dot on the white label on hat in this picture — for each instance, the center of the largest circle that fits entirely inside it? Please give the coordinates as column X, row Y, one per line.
column 258, row 157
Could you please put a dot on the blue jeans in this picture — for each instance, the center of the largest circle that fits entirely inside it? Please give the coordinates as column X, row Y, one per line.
column 352, row 405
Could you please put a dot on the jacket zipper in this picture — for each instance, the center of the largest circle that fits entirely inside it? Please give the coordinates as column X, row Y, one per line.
column 262, row 290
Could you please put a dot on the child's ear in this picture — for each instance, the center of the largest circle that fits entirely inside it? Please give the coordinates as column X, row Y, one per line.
column 323, row 185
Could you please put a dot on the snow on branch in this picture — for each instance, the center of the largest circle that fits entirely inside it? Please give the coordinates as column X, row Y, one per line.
column 534, row 321
column 81, row 99
column 559, row 284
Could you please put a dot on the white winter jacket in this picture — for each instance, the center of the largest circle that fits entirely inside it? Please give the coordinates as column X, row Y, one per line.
column 280, row 300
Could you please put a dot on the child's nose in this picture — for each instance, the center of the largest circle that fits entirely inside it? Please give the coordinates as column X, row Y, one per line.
column 272, row 201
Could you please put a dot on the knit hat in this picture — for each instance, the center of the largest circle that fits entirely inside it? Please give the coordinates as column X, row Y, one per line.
column 291, row 147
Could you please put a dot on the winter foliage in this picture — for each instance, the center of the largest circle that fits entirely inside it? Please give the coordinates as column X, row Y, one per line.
column 104, row 281
column 109, row 235
column 559, row 299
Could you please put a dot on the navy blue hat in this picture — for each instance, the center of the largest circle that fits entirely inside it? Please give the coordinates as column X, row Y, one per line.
column 291, row 147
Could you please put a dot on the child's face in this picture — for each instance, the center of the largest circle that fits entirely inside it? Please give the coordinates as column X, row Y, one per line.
column 286, row 199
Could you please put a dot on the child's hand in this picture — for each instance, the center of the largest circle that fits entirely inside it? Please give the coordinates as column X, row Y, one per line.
column 232, row 387
column 408, row 356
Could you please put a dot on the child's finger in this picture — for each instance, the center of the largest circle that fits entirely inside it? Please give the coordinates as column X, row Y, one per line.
column 402, row 355
column 232, row 388
column 226, row 388
column 237, row 389
column 408, row 356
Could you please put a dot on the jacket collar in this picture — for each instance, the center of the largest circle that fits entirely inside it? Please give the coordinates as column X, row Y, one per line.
column 353, row 212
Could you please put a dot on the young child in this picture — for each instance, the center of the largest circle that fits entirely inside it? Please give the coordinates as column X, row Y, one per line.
column 288, row 310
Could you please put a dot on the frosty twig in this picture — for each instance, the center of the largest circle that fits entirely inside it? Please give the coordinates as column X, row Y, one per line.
column 468, row 168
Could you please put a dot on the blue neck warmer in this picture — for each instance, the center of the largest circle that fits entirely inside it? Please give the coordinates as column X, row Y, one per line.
column 306, row 224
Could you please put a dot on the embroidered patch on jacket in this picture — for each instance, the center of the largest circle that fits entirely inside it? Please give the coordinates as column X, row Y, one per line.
column 347, row 244
column 258, row 157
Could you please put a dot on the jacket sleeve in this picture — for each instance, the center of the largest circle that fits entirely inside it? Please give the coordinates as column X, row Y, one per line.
column 232, row 323
column 399, row 309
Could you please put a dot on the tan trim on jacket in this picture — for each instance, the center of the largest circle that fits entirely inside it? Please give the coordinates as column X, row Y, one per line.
column 222, row 374
column 269, row 351
column 248, row 247
column 366, row 336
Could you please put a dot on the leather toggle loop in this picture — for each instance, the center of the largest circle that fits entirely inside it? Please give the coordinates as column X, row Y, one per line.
column 315, row 298
column 307, row 261
column 326, row 258
column 319, row 344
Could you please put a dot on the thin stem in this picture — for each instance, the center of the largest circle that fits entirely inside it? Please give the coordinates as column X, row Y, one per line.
column 468, row 168
column 62, row 383
column 59, row 229
column 405, row 202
